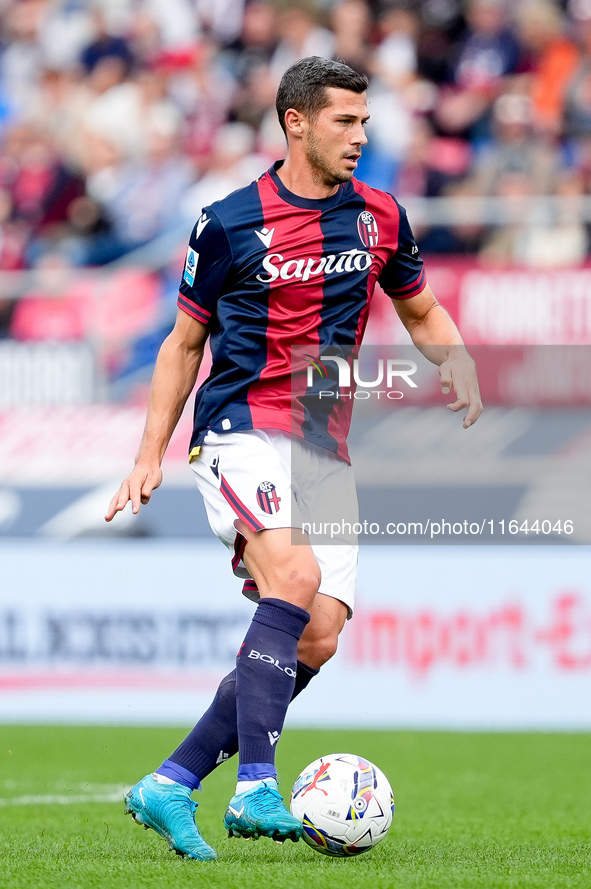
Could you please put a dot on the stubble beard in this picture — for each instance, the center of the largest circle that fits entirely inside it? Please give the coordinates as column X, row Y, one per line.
column 323, row 173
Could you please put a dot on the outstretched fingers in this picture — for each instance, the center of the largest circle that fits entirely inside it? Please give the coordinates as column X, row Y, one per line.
column 137, row 488
column 118, row 501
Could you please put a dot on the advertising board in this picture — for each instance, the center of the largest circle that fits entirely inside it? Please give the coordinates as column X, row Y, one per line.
column 447, row 637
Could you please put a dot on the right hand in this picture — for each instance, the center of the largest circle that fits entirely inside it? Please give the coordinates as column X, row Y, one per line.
column 137, row 487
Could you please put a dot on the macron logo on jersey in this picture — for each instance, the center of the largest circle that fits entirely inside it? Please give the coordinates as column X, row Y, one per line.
column 201, row 223
column 265, row 235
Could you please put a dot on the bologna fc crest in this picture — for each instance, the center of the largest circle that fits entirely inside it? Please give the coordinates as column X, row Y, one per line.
column 368, row 229
column 267, row 497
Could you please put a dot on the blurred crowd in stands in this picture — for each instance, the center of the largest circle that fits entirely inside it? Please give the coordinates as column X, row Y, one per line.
column 120, row 119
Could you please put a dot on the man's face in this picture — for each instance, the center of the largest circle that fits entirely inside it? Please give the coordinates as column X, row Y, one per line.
column 333, row 141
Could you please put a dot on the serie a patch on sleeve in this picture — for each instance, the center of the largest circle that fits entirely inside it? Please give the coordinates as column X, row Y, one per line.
column 190, row 266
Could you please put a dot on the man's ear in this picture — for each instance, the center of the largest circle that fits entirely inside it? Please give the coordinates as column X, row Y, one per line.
column 295, row 123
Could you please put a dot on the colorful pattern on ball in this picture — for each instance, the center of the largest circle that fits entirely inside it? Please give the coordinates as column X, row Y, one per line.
column 345, row 804
column 364, row 783
column 327, row 845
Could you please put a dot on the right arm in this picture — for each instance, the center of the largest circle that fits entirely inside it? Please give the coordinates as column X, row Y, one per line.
column 174, row 377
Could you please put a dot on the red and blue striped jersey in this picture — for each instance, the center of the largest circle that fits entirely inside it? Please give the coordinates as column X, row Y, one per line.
column 267, row 270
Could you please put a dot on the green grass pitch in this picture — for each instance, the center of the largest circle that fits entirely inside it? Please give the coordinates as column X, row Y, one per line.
column 472, row 810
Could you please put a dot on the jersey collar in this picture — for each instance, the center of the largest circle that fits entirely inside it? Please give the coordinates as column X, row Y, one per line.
column 305, row 203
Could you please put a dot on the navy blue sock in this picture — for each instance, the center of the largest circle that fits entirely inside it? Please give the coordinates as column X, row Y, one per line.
column 177, row 773
column 215, row 737
column 304, row 674
column 265, row 681
column 213, row 740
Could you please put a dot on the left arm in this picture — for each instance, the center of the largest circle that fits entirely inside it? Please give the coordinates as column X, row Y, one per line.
column 434, row 333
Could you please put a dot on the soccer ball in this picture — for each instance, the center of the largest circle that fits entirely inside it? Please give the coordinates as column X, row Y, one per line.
column 345, row 804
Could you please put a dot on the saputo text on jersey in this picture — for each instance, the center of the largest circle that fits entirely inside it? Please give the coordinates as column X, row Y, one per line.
column 334, row 263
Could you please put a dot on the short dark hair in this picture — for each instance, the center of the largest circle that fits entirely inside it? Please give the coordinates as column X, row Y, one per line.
column 304, row 84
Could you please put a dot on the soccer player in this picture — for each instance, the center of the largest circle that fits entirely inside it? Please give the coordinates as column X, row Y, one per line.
column 292, row 258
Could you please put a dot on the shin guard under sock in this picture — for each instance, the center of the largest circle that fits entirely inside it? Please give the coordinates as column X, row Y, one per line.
column 265, row 681
column 215, row 737
column 213, row 740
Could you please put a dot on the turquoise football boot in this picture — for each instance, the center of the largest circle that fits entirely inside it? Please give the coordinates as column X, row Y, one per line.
column 260, row 813
column 169, row 810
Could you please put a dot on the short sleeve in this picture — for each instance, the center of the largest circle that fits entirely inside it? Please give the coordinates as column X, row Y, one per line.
column 208, row 260
column 403, row 275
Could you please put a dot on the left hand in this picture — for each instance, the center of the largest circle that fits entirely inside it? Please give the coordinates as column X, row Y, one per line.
column 458, row 373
